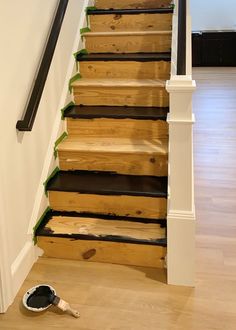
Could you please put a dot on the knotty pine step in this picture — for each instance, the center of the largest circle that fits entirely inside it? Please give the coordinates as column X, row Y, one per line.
column 127, row 66
column 130, row 19
column 121, row 92
column 117, row 122
column 128, row 42
column 139, row 242
column 132, row 4
column 108, row 193
column 118, row 155
column 125, row 70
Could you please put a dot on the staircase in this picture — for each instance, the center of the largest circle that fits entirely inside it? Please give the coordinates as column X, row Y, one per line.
column 109, row 200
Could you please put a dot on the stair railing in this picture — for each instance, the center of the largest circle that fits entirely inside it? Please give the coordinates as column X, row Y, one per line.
column 181, row 207
column 26, row 124
column 182, row 32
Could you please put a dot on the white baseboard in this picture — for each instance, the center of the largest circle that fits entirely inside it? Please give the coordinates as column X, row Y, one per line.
column 22, row 265
column 181, row 248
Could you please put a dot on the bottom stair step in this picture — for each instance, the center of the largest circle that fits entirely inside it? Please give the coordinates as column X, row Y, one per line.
column 104, row 239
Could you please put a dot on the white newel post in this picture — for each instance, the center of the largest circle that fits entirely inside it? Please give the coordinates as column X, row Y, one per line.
column 181, row 208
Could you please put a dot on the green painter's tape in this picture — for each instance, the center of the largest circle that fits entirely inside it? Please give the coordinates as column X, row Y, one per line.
column 87, row 16
column 49, row 178
column 58, row 141
column 84, row 30
column 73, row 79
column 80, row 52
column 48, row 209
column 67, row 107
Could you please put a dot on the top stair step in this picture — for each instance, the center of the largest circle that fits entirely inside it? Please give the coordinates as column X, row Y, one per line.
column 132, row 4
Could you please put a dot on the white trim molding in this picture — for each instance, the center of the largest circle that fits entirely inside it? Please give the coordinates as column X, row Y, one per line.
column 6, row 294
column 181, row 218
column 181, row 248
column 181, row 208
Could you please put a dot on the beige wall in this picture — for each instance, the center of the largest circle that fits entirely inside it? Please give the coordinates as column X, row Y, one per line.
column 24, row 26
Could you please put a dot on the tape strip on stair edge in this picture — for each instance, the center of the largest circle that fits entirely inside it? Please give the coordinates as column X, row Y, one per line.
column 84, row 30
column 80, row 52
column 54, row 172
column 38, row 223
column 73, row 79
column 57, row 142
column 67, row 107
column 87, row 15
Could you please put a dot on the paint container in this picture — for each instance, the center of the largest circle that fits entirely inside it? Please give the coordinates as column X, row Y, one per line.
column 41, row 297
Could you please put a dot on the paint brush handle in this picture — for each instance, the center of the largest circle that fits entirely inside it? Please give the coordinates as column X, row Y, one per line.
column 73, row 311
column 65, row 307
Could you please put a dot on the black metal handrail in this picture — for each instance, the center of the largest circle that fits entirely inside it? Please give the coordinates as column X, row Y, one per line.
column 182, row 37
column 26, row 124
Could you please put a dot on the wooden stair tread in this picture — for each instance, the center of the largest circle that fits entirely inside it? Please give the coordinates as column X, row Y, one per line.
column 133, row 4
column 92, row 228
column 125, row 33
column 109, row 145
column 116, row 112
column 119, row 83
column 105, row 183
column 138, row 57
column 129, row 11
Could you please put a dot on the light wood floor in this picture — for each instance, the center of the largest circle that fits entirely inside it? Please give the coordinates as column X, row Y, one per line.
column 120, row 297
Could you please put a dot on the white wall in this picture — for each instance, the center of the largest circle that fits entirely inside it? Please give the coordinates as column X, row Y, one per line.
column 213, row 14
column 24, row 26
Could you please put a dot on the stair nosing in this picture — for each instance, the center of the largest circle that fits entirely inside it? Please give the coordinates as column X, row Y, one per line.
column 114, row 115
column 118, row 83
column 125, row 57
column 125, row 33
column 56, row 184
column 130, row 11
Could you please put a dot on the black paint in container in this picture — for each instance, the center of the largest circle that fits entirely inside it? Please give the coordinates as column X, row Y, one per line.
column 39, row 298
